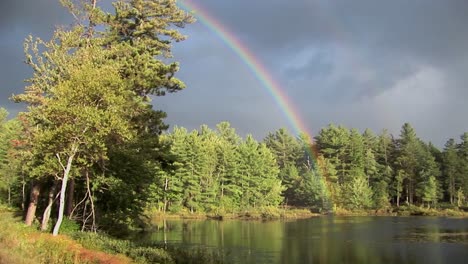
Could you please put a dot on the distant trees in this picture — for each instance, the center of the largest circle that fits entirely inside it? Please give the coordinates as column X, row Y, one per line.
column 374, row 171
column 215, row 170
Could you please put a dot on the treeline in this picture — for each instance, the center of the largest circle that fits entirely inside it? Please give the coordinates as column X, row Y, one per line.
column 218, row 171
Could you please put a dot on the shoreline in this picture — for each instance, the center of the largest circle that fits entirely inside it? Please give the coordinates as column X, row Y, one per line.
column 296, row 213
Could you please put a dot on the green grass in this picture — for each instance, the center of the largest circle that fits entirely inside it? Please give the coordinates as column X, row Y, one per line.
column 258, row 213
column 22, row 244
column 414, row 210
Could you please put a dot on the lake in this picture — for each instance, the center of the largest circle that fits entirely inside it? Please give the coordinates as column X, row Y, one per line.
column 325, row 239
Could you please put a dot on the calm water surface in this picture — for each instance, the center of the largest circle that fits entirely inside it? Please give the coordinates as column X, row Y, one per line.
column 325, row 239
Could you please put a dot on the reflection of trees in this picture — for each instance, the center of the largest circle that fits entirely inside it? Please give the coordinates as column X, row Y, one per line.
column 322, row 240
column 349, row 240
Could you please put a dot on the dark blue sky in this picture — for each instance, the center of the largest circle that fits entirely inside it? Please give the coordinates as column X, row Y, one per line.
column 362, row 63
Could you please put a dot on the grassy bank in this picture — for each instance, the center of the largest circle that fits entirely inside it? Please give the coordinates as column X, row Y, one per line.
column 405, row 210
column 22, row 244
column 263, row 213
column 424, row 211
column 272, row 213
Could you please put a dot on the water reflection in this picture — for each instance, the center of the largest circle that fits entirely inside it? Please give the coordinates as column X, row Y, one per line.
column 325, row 239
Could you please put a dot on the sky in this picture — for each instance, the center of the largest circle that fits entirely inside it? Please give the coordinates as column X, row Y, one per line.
column 362, row 63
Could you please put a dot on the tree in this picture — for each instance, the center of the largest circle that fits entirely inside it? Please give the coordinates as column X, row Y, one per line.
column 258, row 172
column 327, row 171
column 428, row 168
column 451, row 169
column 332, row 143
column 462, row 150
column 227, row 168
column 284, row 146
column 382, row 181
column 91, row 83
column 313, row 191
column 9, row 165
column 356, row 154
column 429, row 193
column 357, row 194
column 408, row 147
column 80, row 116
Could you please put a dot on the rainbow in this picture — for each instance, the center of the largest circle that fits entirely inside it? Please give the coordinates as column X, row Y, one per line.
column 272, row 86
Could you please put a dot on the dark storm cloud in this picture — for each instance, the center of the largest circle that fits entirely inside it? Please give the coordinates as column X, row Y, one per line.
column 363, row 63
column 429, row 31
column 18, row 19
column 31, row 16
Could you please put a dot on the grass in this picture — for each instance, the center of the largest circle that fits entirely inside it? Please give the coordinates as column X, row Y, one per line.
column 414, row 210
column 22, row 244
column 405, row 210
column 259, row 213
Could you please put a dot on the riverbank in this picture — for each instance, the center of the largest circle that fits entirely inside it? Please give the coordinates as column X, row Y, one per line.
column 264, row 213
column 411, row 210
column 23, row 244
column 277, row 213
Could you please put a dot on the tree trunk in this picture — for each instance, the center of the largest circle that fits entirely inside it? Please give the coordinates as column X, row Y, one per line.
column 9, row 195
column 33, row 200
column 46, row 215
column 63, row 190
column 70, row 198
column 92, row 214
column 23, row 193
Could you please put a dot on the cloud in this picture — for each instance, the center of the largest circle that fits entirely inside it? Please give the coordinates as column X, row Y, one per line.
column 361, row 63
column 18, row 19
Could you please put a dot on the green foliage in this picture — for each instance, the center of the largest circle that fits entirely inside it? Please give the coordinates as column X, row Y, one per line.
column 313, row 191
column 89, row 92
column 381, row 196
column 451, row 169
column 357, row 194
column 9, row 163
column 146, row 253
column 429, row 194
column 107, row 244
column 20, row 244
column 69, row 227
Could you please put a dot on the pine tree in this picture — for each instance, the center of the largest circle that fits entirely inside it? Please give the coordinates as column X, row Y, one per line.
column 429, row 192
column 333, row 143
column 427, row 188
column 356, row 153
column 451, row 170
column 463, row 156
column 227, row 169
column 284, row 146
column 357, row 194
column 258, row 172
column 408, row 147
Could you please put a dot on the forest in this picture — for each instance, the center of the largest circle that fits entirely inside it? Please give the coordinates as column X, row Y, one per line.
column 91, row 148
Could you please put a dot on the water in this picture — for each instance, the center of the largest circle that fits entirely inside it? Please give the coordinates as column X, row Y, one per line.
column 325, row 239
